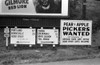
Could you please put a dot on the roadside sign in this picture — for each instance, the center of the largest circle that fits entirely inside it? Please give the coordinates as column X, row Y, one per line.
column 6, row 30
column 22, row 36
column 76, row 32
column 33, row 8
column 7, row 38
column 47, row 36
column 6, row 35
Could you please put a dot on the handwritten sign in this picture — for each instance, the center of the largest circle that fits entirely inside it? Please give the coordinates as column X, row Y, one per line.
column 76, row 32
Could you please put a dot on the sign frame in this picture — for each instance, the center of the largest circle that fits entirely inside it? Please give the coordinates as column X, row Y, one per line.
column 64, row 12
column 73, row 43
column 24, row 37
column 55, row 42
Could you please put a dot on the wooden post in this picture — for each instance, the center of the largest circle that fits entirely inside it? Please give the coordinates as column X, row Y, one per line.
column 7, row 41
column 83, row 9
column 41, row 45
column 6, row 35
column 54, row 45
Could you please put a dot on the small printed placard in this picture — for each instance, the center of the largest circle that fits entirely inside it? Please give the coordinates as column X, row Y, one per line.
column 47, row 36
column 6, row 30
column 75, row 32
column 6, row 35
column 22, row 36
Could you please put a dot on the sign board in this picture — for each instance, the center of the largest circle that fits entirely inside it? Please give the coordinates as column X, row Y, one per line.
column 22, row 36
column 6, row 35
column 34, row 7
column 47, row 36
column 6, row 30
column 76, row 32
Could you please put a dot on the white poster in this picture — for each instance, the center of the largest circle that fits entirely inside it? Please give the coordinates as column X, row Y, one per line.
column 34, row 7
column 22, row 36
column 76, row 32
column 47, row 36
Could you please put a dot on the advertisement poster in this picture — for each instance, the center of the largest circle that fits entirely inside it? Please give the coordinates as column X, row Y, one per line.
column 47, row 36
column 22, row 36
column 76, row 32
column 34, row 7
